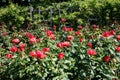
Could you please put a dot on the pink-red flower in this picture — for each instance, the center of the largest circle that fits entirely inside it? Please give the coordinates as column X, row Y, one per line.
column 91, row 52
column 4, row 33
column 67, row 29
column 13, row 49
column 60, row 45
column 21, row 46
column 60, row 55
column 112, row 32
column 63, row 44
column 66, row 44
column 46, row 49
column 15, row 41
column 32, row 54
column 90, row 45
column 106, row 58
column 63, row 20
column 105, row 34
column 32, row 40
column 29, row 35
column 81, row 40
column 8, row 55
column 49, row 32
column 52, row 36
column 69, row 37
column 118, row 37
column 117, row 49
column 77, row 33
column 40, row 54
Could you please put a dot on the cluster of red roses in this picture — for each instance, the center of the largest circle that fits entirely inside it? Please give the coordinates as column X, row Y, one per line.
column 14, row 48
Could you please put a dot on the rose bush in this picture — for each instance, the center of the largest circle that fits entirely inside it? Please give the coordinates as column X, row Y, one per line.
column 68, row 54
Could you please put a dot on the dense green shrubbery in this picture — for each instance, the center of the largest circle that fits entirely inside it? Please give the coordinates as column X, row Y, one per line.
column 75, row 11
column 14, row 15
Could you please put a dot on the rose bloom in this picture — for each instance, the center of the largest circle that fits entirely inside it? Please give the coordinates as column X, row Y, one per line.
column 106, row 34
column 66, row 44
column 49, row 32
column 29, row 35
column 32, row 54
column 21, row 46
column 15, row 40
column 112, row 32
column 117, row 49
column 13, row 49
column 32, row 40
column 52, row 36
column 60, row 55
column 8, row 55
column 69, row 37
column 81, row 40
column 4, row 33
column 59, row 44
column 63, row 20
column 106, row 58
column 90, row 45
column 91, row 52
column 40, row 54
column 77, row 33
column 46, row 49
column 118, row 37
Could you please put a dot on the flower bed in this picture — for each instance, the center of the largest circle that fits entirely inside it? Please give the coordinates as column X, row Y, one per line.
column 68, row 54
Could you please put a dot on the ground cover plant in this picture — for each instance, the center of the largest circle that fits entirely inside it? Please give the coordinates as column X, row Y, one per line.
column 60, row 53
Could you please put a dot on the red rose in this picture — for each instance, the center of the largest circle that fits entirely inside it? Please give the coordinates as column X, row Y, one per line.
column 4, row 33
column 70, row 29
column 90, row 45
column 40, row 54
column 52, row 36
column 64, row 28
column 112, row 32
column 32, row 54
column 69, row 37
column 13, row 49
column 49, row 32
column 32, row 40
column 118, row 37
column 91, row 52
column 29, row 35
column 66, row 44
column 60, row 55
column 106, row 34
column 106, row 58
column 77, row 33
column 118, row 49
column 21, row 47
column 59, row 44
column 8, row 55
column 15, row 41
column 63, row 20
column 80, row 39
column 46, row 49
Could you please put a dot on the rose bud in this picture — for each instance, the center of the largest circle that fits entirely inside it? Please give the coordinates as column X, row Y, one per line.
column 60, row 55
